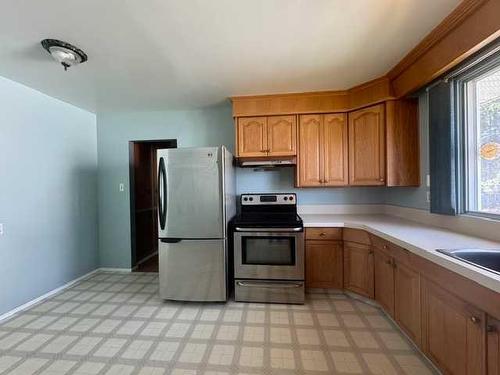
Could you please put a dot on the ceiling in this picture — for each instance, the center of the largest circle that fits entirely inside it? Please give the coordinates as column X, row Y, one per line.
column 182, row 54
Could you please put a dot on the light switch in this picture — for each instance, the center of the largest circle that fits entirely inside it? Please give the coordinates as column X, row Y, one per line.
column 122, row 187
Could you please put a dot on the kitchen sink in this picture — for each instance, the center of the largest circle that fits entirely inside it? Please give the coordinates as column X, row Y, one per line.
column 488, row 259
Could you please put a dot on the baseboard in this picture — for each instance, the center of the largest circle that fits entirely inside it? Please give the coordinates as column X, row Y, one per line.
column 111, row 269
column 27, row 305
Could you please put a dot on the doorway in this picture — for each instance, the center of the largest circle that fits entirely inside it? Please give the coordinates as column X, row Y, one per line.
column 144, row 203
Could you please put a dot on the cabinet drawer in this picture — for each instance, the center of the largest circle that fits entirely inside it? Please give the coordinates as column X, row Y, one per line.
column 395, row 251
column 356, row 235
column 323, row 233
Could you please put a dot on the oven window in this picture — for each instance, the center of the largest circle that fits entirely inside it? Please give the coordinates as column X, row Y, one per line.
column 273, row 251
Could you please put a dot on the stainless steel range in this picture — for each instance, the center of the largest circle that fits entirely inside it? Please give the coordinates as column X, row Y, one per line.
column 269, row 249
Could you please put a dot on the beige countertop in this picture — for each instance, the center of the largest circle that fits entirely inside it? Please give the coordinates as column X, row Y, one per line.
column 420, row 239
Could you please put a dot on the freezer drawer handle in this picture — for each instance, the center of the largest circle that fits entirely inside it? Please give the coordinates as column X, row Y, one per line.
column 170, row 240
column 162, row 193
column 268, row 285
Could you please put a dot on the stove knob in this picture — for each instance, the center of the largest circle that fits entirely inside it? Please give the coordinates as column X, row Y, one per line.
column 250, row 199
column 291, row 197
column 245, row 199
column 286, row 198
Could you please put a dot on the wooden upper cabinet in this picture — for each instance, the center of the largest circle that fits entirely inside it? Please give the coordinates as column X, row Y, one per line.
column 367, row 146
column 281, row 136
column 403, row 146
column 493, row 343
column 384, row 280
column 310, row 169
column 407, row 311
column 335, row 150
column 252, row 136
column 358, row 269
column 453, row 332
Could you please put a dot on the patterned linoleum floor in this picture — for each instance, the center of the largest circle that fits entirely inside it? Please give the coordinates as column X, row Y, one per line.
column 115, row 324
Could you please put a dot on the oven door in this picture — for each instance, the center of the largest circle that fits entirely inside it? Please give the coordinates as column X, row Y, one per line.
column 269, row 255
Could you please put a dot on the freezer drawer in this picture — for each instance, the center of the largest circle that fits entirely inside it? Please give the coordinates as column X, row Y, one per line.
column 193, row 270
column 269, row 291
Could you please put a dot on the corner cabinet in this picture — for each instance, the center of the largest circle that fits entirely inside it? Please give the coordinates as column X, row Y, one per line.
column 266, row 136
column 367, row 146
column 358, row 263
column 323, row 159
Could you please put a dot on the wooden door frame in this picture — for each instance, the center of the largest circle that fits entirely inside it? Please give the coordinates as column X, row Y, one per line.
column 165, row 143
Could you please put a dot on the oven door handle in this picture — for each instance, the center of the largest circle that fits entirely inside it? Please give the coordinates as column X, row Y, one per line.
column 296, row 229
column 268, row 285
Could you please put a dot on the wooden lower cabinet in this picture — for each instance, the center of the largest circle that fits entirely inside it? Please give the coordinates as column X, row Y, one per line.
column 453, row 332
column 324, row 267
column 493, row 343
column 407, row 307
column 358, row 269
column 384, row 280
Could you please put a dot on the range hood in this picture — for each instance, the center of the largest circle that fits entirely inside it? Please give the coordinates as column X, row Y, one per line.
column 266, row 163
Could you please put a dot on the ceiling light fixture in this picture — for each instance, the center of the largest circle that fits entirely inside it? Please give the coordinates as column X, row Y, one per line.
column 64, row 53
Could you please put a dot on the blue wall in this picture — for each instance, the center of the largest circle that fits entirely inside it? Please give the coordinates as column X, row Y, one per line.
column 206, row 127
column 48, row 200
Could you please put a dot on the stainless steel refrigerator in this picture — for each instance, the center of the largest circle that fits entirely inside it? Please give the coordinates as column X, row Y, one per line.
column 196, row 188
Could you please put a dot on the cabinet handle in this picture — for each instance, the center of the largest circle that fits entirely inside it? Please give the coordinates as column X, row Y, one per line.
column 386, row 247
column 381, row 180
column 475, row 319
column 370, row 252
column 322, row 234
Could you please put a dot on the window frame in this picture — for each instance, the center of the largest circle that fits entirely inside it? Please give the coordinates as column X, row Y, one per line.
column 467, row 128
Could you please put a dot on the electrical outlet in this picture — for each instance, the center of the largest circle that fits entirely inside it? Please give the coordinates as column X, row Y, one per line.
column 428, row 197
column 1, row 229
column 122, row 187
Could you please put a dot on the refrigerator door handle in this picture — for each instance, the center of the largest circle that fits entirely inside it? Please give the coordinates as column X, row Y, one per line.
column 162, row 193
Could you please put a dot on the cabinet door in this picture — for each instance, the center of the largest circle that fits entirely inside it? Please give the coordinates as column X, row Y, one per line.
column 335, row 149
column 324, row 264
column 252, row 136
column 358, row 269
column 384, row 281
column 281, row 135
column 367, row 146
column 453, row 332
column 407, row 301
column 310, row 168
column 493, row 343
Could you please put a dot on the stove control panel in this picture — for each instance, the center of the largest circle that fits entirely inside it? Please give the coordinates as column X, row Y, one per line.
column 265, row 199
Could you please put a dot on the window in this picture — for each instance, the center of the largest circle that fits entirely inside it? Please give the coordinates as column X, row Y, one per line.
column 479, row 104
